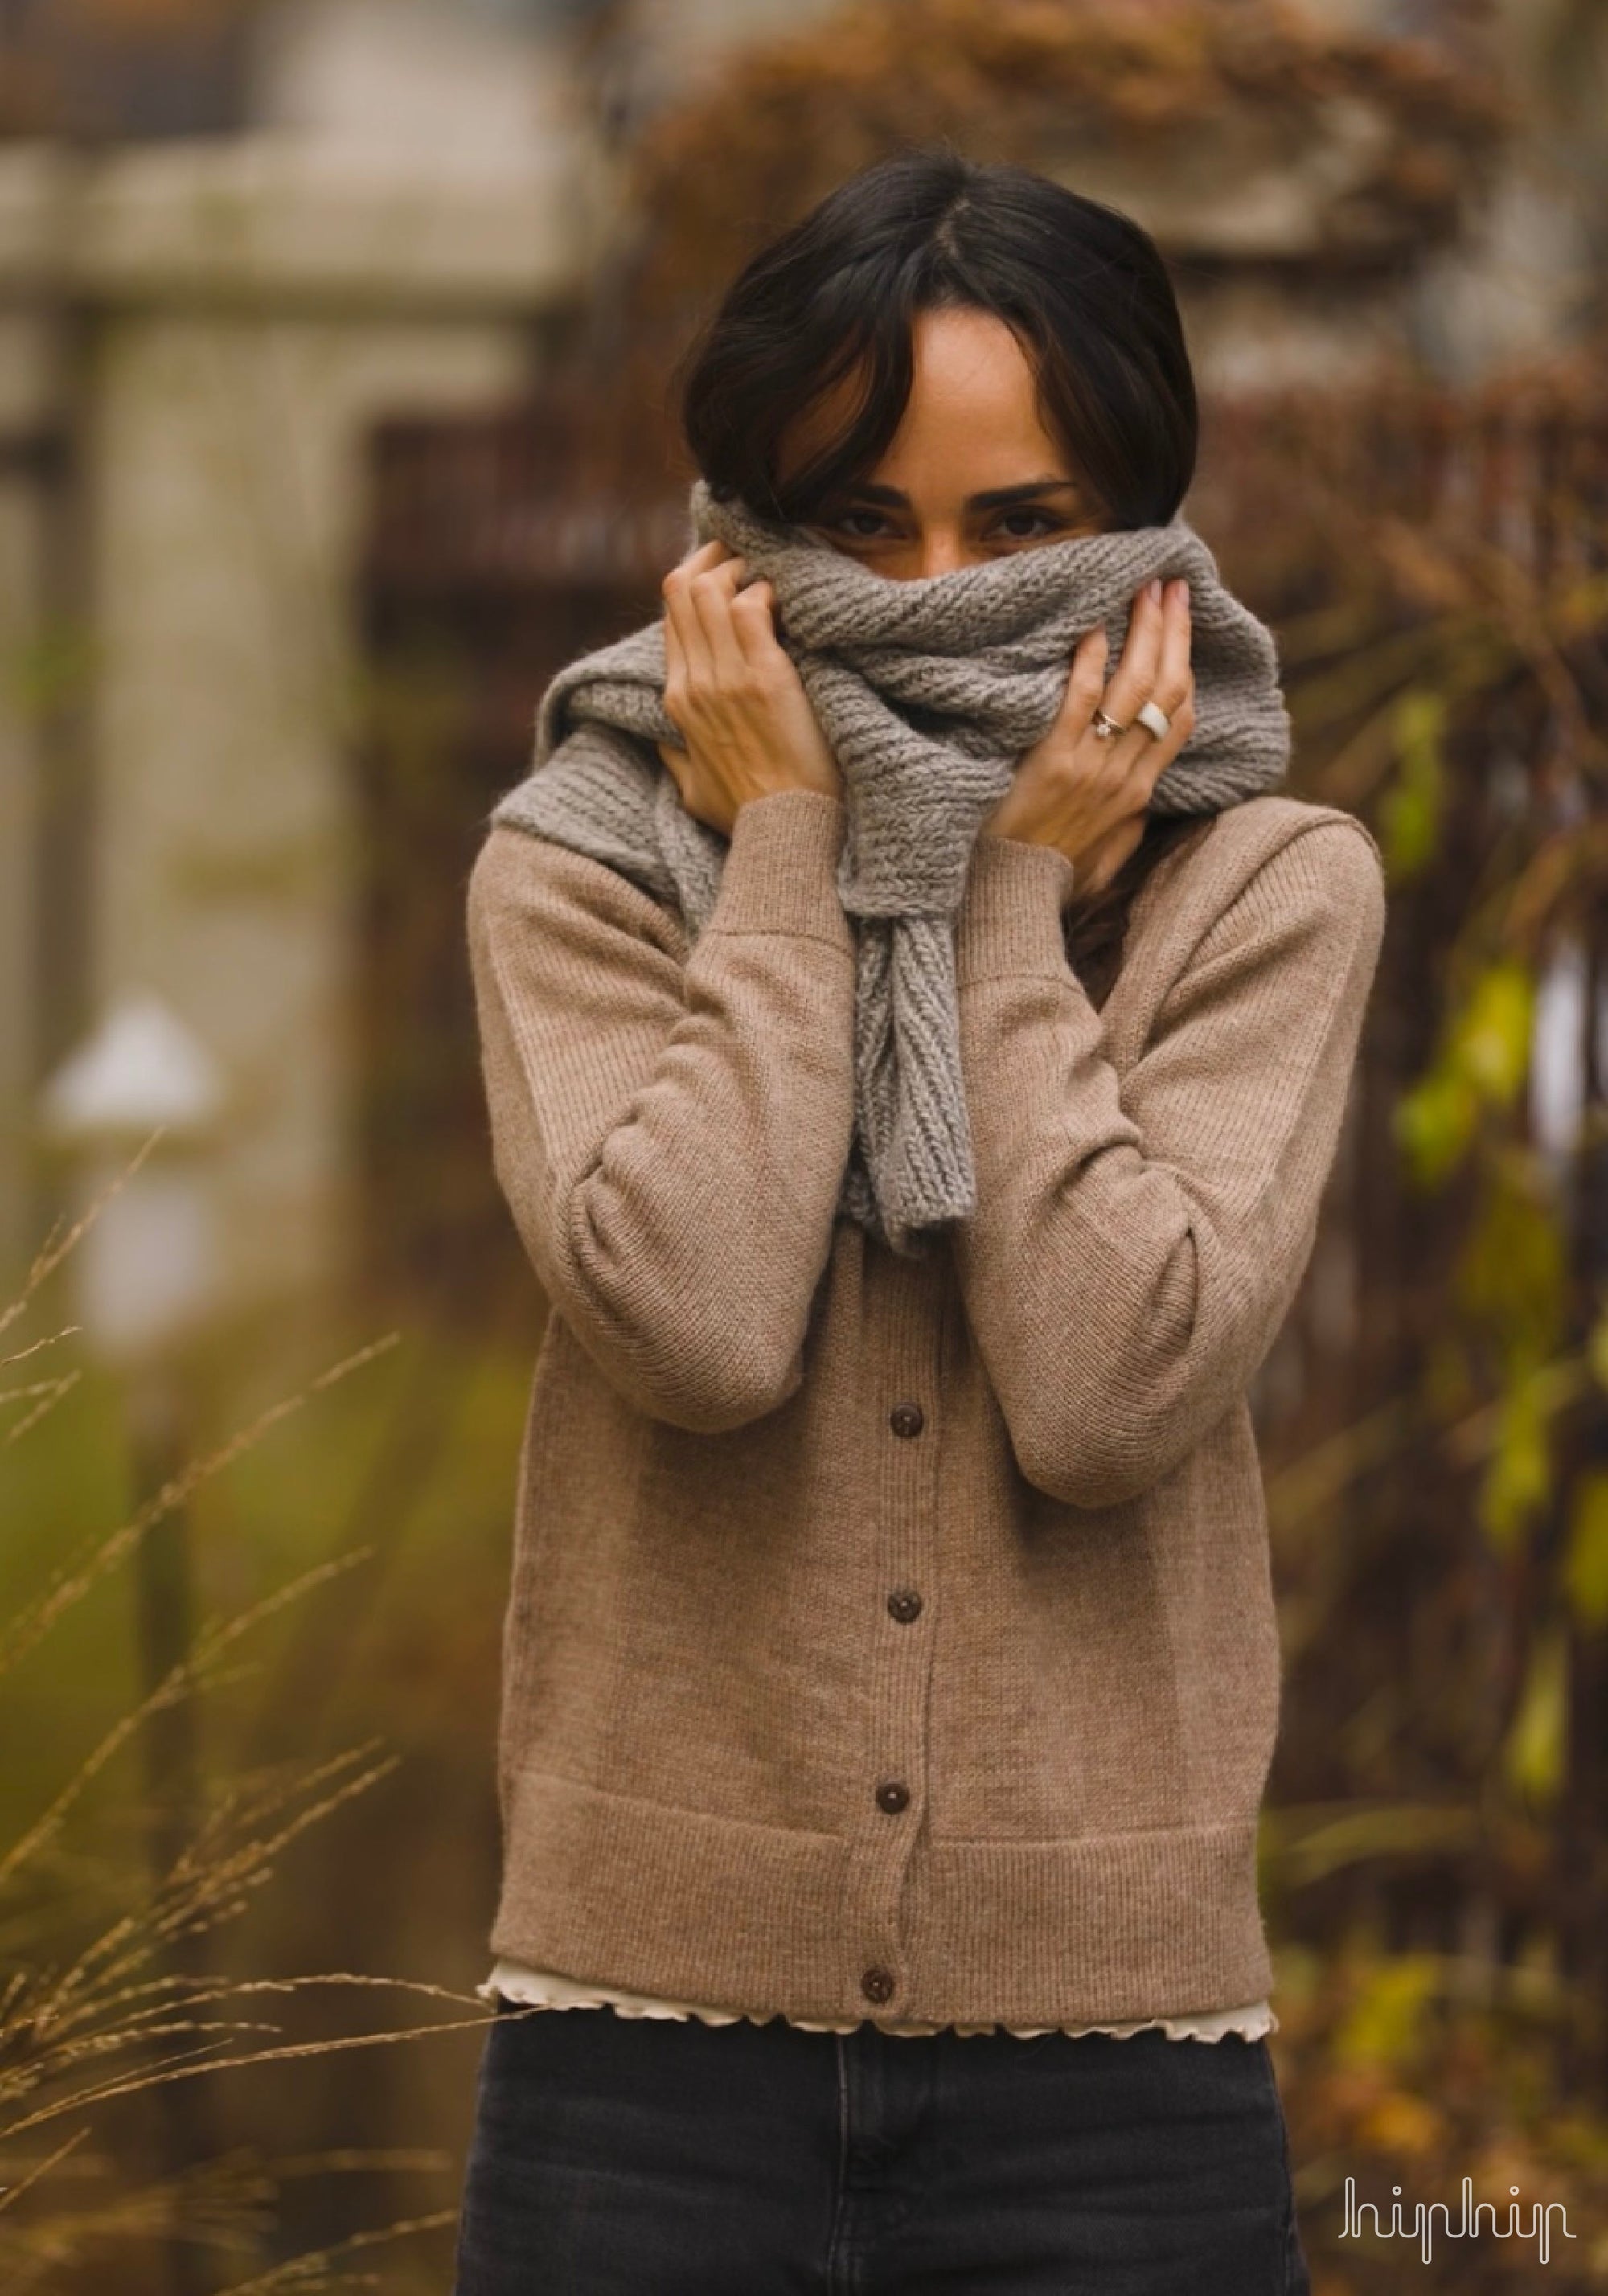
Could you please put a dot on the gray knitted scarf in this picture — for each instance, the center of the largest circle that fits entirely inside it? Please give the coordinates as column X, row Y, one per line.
column 928, row 691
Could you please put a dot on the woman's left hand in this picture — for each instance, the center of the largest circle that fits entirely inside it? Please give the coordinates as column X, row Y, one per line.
column 1086, row 796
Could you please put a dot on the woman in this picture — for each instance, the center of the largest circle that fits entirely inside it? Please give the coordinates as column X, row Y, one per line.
column 918, row 1130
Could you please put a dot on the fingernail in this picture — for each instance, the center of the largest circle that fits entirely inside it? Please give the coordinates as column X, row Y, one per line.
column 1153, row 591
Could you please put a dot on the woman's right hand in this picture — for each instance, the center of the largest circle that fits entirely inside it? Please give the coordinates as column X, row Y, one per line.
column 732, row 693
column 1087, row 797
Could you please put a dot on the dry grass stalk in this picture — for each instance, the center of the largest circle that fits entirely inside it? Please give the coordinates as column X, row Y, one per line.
column 60, row 2023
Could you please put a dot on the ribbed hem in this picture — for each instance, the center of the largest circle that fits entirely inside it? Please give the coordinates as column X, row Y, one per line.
column 762, row 1918
column 1009, row 921
column 780, row 874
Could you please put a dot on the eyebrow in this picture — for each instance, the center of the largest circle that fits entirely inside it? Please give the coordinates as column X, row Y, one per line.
column 995, row 498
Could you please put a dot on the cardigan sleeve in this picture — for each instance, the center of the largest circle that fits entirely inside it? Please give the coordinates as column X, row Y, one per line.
column 1138, row 1240
column 670, row 1130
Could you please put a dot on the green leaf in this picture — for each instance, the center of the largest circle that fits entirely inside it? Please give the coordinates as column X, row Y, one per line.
column 1433, row 1124
column 1585, row 1561
column 1491, row 1037
column 1596, row 1349
column 1386, row 2019
column 1410, row 813
column 1518, row 1479
column 1513, row 1273
column 1484, row 1059
column 1533, row 1757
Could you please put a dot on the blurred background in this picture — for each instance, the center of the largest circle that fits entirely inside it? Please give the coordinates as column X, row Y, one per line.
column 334, row 336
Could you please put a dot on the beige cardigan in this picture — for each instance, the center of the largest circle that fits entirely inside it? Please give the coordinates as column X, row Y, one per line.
column 892, row 1636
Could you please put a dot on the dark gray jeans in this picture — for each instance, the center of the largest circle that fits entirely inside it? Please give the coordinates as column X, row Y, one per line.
column 636, row 2156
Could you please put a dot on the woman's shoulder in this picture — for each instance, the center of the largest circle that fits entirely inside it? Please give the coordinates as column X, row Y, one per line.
column 1269, row 847
column 577, row 837
column 1273, row 878
column 522, row 880
column 1248, row 835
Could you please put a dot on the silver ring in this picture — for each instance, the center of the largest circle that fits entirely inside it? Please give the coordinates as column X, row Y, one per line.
column 1106, row 729
column 1154, row 720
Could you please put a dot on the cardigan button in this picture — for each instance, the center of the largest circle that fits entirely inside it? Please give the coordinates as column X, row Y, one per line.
column 892, row 1797
column 905, row 1419
column 904, row 1604
column 877, row 1984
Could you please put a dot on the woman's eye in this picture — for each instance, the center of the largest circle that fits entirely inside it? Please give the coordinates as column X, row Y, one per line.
column 872, row 525
column 1028, row 525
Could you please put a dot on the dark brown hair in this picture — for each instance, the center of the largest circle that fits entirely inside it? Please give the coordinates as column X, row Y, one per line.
column 1082, row 287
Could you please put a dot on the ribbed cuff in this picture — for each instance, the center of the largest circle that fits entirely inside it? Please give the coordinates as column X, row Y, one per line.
column 780, row 868
column 1010, row 919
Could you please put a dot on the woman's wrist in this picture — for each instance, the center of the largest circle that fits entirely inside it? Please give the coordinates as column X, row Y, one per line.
column 757, row 794
column 772, row 784
column 1044, row 843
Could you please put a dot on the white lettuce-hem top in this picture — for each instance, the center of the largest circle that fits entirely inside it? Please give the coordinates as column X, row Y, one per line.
column 545, row 1989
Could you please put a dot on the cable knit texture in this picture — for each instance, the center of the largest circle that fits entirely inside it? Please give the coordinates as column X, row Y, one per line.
column 892, row 1636
column 928, row 692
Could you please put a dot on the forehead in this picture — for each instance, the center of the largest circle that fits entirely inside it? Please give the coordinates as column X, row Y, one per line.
column 971, row 419
column 966, row 360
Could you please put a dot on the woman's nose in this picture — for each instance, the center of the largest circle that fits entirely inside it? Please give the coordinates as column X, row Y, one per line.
column 939, row 553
